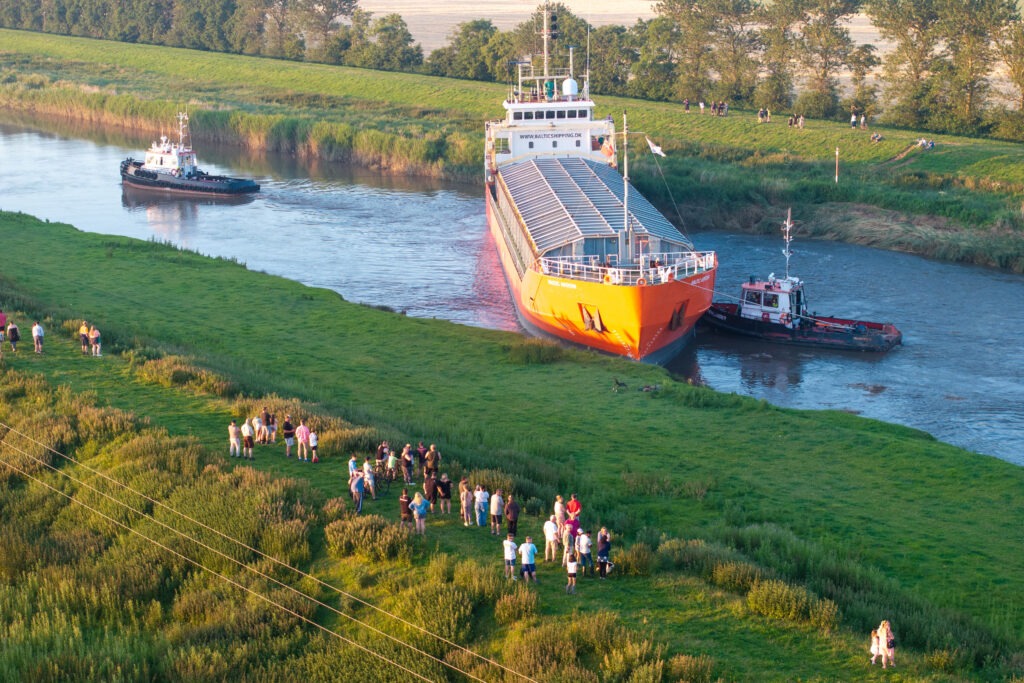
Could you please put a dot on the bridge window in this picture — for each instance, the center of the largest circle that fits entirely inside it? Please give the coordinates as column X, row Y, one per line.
column 583, row 113
column 517, row 116
column 561, row 113
column 753, row 297
column 528, row 115
column 572, row 113
column 550, row 114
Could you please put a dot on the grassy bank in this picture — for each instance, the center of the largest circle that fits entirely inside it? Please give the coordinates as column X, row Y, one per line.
column 882, row 521
column 959, row 201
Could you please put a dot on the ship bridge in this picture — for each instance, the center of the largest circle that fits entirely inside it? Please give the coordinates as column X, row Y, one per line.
column 573, row 207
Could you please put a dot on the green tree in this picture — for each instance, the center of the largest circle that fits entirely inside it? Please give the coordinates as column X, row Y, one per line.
column 969, row 29
column 466, row 56
column 693, row 30
column 864, row 97
column 734, row 48
column 654, row 73
column 202, row 24
column 319, row 21
column 826, row 49
column 1011, row 49
column 614, row 50
column 908, row 69
column 383, row 43
column 246, row 29
column 778, row 36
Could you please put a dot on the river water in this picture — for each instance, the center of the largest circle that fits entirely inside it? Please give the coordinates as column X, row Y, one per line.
column 422, row 247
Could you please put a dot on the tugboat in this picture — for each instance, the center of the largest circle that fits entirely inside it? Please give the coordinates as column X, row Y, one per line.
column 587, row 259
column 171, row 166
column 775, row 310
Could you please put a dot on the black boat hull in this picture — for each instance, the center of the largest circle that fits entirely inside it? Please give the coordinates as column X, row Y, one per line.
column 200, row 184
column 832, row 333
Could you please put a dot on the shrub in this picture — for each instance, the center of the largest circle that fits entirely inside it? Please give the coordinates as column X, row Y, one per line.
column 946, row 660
column 334, row 509
column 515, row 606
column 692, row 669
column 371, row 536
column 636, row 561
column 535, row 352
column 823, row 614
column 534, row 506
column 695, row 556
column 481, row 583
column 737, row 577
column 778, row 600
column 626, row 659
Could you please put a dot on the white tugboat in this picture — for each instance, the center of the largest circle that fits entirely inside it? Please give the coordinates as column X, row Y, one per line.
column 171, row 166
column 776, row 310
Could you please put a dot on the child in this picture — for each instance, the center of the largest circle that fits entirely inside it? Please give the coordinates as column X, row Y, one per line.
column 510, row 547
column 313, row 441
column 875, row 648
column 570, row 567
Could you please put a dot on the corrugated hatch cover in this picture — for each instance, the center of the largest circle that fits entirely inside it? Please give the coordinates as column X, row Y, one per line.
column 564, row 200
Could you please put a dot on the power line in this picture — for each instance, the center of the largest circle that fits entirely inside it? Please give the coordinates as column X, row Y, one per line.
column 215, row 573
column 254, row 550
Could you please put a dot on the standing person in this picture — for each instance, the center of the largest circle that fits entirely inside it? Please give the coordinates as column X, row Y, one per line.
column 302, row 436
column 353, row 465
column 264, row 434
column 550, row 540
column 444, row 494
column 3, row 325
column 431, row 461
column 420, row 506
column 853, row 118
column 314, row 441
column 497, row 512
column 358, row 488
column 466, row 499
column 512, row 515
column 403, row 508
column 95, row 341
column 392, row 466
column 800, row 121
column 430, row 490
column 570, row 567
column 573, row 508
column 568, row 542
column 480, row 500
column 383, row 451
column 702, row 106
column 13, row 336
column 510, row 548
column 234, row 440
column 559, row 514
column 887, row 643
column 876, row 647
column 686, row 105
column 407, row 463
column 421, row 461
column 528, row 554
column 863, row 122
column 584, row 546
column 83, row 336
column 37, row 337
column 369, row 482
column 247, row 435
column 257, row 427
column 272, row 426
column 604, row 552
column 288, row 432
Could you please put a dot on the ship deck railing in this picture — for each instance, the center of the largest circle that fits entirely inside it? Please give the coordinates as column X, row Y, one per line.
column 654, row 269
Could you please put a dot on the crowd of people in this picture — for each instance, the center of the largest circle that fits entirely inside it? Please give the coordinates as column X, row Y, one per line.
column 89, row 335
column 262, row 429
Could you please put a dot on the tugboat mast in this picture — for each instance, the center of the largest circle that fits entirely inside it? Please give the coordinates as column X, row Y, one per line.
column 787, row 238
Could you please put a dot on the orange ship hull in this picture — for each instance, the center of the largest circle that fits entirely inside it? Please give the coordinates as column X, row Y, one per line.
column 650, row 323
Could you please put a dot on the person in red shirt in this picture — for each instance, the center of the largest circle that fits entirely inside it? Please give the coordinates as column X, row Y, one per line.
column 574, row 507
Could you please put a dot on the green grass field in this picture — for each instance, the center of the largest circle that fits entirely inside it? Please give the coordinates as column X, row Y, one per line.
column 882, row 520
column 959, row 201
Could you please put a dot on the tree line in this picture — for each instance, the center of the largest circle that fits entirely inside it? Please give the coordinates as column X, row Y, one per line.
column 786, row 55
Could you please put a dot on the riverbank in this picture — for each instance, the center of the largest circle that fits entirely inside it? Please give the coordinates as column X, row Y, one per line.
column 721, row 172
column 872, row 521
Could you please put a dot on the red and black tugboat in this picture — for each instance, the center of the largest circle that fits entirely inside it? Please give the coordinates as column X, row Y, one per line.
column 775, row 310
column 171, row 166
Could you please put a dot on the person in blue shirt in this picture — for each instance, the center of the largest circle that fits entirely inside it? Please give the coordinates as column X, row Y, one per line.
column 358, row 487
column 420, row 506
column 528, row 555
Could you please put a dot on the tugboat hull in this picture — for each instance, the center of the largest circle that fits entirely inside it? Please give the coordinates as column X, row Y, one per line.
column 833, row 333
column 200, row 183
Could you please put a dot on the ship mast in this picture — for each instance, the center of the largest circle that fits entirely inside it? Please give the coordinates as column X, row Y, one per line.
column 787, row 238
column 182, row 125
column 627, row 227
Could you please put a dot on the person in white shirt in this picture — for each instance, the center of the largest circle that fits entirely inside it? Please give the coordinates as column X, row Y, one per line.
column 583, row 548
column 497, row 512
column 37, row 336
column 510, row 547
column 481, row 497
column 550, row 540
column 247, row 438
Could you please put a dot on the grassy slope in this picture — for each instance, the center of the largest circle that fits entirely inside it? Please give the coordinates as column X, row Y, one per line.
column 887, row 496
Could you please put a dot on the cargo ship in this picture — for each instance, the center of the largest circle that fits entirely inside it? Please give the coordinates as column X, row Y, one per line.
column 171, row 167
column 587, row 258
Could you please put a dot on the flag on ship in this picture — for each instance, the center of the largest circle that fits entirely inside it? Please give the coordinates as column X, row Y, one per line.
column 654, row 148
